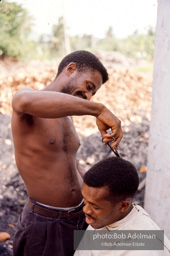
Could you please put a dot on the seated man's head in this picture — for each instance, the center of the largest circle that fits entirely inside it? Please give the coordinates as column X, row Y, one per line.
column 81, row 74
column 108, row 189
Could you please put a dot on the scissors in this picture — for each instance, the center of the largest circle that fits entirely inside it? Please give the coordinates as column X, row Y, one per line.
column 113, row 149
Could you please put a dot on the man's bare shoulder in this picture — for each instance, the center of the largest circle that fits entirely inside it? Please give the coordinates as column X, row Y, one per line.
column 25, row 89
column 17, row 98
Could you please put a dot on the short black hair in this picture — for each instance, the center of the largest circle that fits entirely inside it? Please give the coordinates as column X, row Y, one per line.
column 119, row 175
column 84, row 61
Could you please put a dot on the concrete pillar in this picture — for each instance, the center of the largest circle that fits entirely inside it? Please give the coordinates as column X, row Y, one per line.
column 157, row 195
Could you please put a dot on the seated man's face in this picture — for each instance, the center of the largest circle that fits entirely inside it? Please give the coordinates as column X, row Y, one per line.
column 98, row 209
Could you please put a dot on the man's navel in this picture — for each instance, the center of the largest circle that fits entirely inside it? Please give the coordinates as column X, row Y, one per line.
column 51, row 141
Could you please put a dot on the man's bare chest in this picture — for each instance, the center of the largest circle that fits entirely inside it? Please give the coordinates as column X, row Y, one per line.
column 58, row 134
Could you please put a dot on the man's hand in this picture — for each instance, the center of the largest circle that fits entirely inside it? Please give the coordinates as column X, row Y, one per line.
column 105, row 121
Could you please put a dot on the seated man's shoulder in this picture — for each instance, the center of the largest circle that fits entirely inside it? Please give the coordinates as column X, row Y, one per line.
column 142, row 220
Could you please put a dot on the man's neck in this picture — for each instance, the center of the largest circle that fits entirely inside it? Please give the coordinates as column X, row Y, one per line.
column 56, row 85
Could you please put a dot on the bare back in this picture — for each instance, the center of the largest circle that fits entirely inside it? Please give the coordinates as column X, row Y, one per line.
column 45, row 151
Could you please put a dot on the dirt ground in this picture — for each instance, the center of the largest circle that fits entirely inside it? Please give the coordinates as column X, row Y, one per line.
column 127, row 94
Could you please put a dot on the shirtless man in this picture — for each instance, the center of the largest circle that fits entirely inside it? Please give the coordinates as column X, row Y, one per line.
column 46, row 144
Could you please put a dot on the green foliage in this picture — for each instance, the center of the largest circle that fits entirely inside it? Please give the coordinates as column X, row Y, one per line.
column 56, row 42
column 109, row 42
column 51, row 46
column 83, row 42
column 139, row 45
column 15, row 28
column 136, row 46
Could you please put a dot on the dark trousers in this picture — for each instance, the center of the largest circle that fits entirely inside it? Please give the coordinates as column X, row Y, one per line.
column 45, row 236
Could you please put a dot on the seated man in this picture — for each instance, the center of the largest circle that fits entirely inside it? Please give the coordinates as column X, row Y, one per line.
column 108, row 190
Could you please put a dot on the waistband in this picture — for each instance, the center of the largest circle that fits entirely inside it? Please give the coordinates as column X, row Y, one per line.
column 61, row 208
column 53, row 212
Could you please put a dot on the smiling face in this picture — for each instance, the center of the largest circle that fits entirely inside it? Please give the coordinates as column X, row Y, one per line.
column 82, row 84
column 99, row 211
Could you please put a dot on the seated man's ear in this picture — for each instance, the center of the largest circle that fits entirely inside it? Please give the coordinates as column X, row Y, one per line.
column 125, row 204
column 71, row 68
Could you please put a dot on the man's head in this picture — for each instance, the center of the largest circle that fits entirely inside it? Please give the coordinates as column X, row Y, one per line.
column 108, row 189
column 85, row 61
column 81, row 74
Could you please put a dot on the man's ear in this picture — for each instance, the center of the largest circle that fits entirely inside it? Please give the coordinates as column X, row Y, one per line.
column 125, row 204
column 71, row 68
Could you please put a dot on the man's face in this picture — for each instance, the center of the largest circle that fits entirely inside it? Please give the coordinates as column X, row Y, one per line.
column 98, row 210
column 83, row 84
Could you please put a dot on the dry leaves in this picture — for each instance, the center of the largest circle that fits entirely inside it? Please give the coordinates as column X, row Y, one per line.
column 126, row 94
column 4, row 236
column 143, row 169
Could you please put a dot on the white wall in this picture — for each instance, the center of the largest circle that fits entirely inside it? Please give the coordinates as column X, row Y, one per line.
column 157, row 196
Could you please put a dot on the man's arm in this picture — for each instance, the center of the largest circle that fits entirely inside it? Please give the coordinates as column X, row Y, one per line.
column 49, row 104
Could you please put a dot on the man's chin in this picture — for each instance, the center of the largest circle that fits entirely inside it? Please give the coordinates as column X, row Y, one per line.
column 91, row 222
column 95, row 225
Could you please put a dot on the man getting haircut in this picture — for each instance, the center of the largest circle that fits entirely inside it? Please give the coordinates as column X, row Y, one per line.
column 108, row 190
